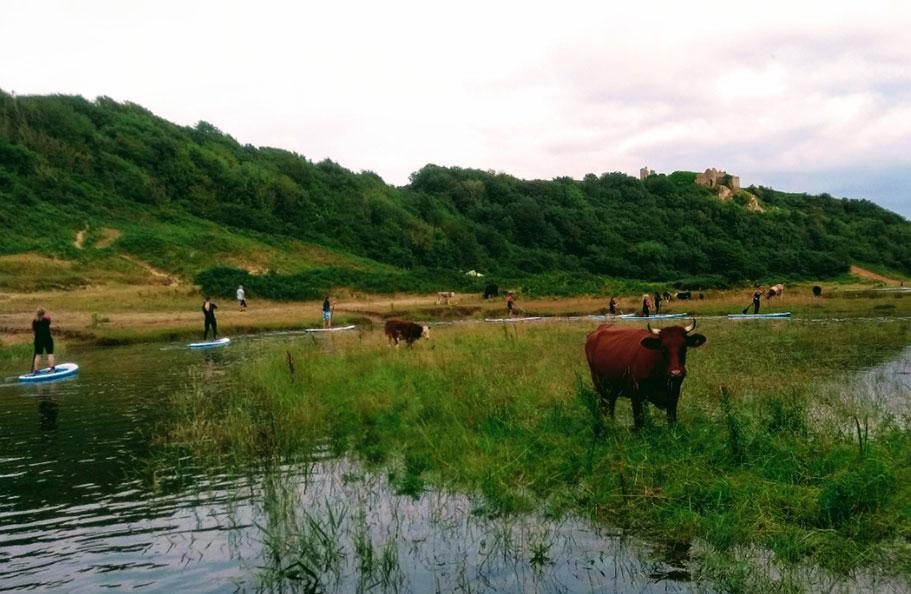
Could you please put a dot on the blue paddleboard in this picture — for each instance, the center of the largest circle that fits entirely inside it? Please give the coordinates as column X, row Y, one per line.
column 784, row 314
column 210, row 344
column 46, row 375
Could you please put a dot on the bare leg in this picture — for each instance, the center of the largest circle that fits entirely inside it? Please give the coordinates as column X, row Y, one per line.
column 50, row 361
column 36, row 362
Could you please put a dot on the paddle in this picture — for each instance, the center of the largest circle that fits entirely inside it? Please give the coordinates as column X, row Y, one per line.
column 746, row 308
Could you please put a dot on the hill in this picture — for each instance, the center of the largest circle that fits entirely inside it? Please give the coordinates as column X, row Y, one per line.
column 100, row 190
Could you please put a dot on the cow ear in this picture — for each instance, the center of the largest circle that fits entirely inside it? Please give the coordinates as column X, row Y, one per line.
column 695, row 340
column 651, row 342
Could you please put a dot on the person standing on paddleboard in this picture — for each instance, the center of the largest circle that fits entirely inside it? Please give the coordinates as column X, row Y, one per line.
column 328, row 307
column 757, row 297
column 510, row 301
column 44, row 343
column 242, row 298
column 612, row 306
column 646, row 305
column 208, row 310
column 657, row 303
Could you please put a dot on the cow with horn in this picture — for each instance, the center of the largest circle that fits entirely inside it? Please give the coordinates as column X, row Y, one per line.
column 642, row 365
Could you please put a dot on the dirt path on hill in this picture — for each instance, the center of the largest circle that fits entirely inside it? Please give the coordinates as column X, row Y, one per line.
column 870, row 275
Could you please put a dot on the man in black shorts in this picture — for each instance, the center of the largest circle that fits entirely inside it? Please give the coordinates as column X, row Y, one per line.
column 44, row 343
column 208, row 310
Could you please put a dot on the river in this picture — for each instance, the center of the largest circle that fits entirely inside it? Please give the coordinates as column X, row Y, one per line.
column 86, row 506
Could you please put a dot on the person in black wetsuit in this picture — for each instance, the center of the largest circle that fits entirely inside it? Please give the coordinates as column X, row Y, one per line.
column 612, row 306
column 44, row 343
column 657, row 303
column 208, row 310
column 757, row 296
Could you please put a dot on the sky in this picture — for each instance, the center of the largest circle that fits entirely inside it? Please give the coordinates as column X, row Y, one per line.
column 800, row 95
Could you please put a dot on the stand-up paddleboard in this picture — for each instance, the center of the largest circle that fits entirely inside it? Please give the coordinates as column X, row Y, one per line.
column 635, row 316
column 529, row 319
column 784, row 314
column 210, row 344
column 339, row 329
column 46, row 375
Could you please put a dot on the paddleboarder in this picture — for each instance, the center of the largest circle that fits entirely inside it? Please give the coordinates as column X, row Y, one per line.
column 657, row 303
column 328, row 307
column 612, row 305
column 44, row 343
column 242, row 298
column 208, row 311
column 646, row 305
column 510, row 301
column 757, row 298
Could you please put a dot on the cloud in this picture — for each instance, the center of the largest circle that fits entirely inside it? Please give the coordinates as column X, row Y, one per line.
column 535, row 90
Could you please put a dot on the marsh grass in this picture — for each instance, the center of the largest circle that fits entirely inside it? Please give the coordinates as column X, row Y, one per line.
column 763, row 456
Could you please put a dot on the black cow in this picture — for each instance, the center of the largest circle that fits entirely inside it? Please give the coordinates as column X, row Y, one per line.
column 685, row 295
column 491, row 290
column 817, row 290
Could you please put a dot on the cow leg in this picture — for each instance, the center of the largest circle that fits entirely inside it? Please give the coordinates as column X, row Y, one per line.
column 672, row 411
column 638, row 411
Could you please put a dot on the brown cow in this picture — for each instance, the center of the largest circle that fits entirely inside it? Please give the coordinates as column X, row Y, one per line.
column 642, row 365
column 397, row 330
column 775, row 291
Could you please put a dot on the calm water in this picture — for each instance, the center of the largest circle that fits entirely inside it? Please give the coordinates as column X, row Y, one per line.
column 79, row 511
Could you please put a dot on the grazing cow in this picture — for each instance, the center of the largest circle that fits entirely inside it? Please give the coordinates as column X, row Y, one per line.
column 684, row 295
column 667, row 296
column 397, row 330
column 817, row 290
column 491, row 290
column 775, row 291
column 445, row 297
column 642, row 365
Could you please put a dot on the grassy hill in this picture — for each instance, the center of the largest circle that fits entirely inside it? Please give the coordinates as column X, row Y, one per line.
column 100, row 191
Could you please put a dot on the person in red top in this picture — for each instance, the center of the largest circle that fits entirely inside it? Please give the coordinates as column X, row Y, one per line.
column 509, row 303
column 44, row 343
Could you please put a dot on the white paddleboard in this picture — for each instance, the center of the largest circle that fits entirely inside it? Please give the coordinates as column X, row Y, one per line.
column 45, row 375
column 634, row 316
column 513, row 319
column 339, row 329
column 210, row 344
column 771, row 316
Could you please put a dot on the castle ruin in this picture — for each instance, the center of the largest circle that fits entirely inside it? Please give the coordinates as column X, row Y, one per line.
column 645, row 172
column 712, row 178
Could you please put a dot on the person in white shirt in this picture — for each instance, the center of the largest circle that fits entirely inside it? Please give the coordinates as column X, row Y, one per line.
column 242, row 298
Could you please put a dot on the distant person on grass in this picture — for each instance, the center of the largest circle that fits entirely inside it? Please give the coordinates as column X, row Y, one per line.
column 208, row 310
column 510, row 302
column 328, row 308
column 44, row 343
column 242, row 298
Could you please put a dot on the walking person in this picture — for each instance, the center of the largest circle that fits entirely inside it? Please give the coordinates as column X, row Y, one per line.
column 208, row 311
column 44, row 342
column 328, row 308
column 242, row 298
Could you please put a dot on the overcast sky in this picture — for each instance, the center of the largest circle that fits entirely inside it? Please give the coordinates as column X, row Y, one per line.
column 803, row 96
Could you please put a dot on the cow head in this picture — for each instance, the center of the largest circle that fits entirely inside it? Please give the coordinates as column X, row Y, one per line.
column 672, row 342
column 425, row 331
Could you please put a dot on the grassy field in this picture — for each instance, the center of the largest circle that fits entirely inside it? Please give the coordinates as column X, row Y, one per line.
column 775, row 449
column 166, row 308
